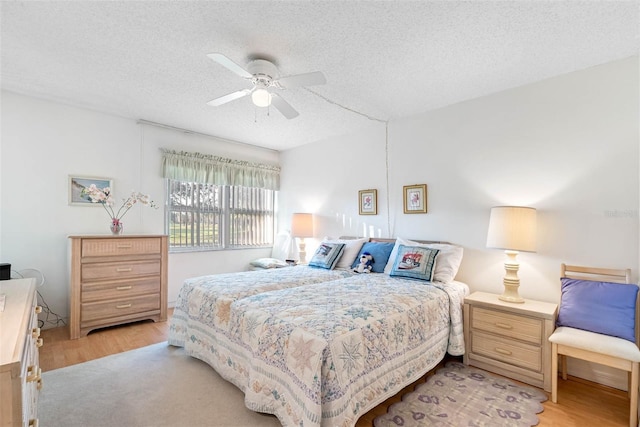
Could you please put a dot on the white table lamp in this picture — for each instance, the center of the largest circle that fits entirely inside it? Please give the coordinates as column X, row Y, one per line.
column 301, row 227
column 512, row 228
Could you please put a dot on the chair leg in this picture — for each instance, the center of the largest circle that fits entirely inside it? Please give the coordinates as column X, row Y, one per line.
column 554, row 372
column 564, row 367
column 633, row 389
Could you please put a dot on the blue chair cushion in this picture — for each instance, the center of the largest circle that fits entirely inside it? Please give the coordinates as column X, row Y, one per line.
column 602, row 307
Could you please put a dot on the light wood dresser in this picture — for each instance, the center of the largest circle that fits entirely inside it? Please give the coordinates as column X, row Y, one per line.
column 510, row 339
column 20, row 374
column 115, row 280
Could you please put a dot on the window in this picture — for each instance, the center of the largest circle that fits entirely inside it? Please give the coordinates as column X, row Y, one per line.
column 210, row 217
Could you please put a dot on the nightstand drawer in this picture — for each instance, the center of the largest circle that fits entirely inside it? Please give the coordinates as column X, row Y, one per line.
column 506, row 350
column 509, row 325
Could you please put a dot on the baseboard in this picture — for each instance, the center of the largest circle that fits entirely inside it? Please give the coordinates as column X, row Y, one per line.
column 597, row 373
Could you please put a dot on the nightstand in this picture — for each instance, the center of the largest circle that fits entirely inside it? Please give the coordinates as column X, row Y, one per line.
column 510, row 339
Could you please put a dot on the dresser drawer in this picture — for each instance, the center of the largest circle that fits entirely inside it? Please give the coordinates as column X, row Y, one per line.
column 116, row 247
column 509, row 325
column 509, row 351
column 119, row 289
column 119, row 270
column 116, row 308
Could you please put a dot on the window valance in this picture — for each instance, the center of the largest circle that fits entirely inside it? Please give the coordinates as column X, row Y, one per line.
column 208, row 169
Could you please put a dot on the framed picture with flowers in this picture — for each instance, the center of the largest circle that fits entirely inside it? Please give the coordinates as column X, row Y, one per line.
column 368, row 202
column 78, row 183
column 415, row 198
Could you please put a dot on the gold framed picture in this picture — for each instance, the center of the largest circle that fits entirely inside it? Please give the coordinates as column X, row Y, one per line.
column 368, row 202
column 415, row 198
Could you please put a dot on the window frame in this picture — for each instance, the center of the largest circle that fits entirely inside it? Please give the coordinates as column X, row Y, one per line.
column 225, row 213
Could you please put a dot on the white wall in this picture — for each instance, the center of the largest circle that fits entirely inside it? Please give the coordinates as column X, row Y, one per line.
column 43, row 142
column 567, row 146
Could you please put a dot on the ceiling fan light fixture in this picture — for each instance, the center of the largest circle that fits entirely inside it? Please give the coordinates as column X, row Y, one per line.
column 261, row 98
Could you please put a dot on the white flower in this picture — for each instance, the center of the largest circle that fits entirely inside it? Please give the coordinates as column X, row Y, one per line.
column 104, row 197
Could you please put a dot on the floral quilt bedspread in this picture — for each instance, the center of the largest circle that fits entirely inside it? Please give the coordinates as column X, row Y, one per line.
column 207, row 299
column 324, row 354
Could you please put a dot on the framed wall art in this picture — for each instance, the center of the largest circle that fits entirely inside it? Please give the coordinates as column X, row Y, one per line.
column 368, row 202
column 415, row 198
column 78, row 183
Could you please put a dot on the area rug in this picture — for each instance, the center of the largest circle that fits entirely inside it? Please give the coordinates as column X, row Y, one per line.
column 459, row 395
column 158, row 385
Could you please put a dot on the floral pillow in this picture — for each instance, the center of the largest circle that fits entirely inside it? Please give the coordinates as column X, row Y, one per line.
column 415, row 262
column 327, row 255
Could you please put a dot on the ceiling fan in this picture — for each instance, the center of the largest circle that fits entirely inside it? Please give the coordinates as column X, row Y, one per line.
column 264, row 76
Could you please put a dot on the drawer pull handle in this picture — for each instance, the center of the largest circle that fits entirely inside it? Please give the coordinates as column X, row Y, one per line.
column 124, row 270
column 123, row 288
column 33, row 374
column 123, row 306
column 123, row 246
column 39, row 342
column 35, row 333
column 503, row 351
column 33, row 423
column 503, row 325
column 38, row 309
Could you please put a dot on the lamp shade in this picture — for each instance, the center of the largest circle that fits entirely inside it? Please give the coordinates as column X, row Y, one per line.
column 302, row 225
column 512, row 228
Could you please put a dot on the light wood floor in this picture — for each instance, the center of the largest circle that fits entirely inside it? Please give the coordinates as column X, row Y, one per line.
column 581, row 404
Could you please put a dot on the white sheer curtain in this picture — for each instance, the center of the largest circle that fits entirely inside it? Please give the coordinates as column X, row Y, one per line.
column 208, row 169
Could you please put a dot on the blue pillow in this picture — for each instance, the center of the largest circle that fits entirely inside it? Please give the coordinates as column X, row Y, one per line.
column 601, row 307
column 327, row 255
column 416, row 262
column 380, row 252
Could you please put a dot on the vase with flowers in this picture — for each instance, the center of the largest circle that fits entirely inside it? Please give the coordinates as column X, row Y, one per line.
column 105, row 198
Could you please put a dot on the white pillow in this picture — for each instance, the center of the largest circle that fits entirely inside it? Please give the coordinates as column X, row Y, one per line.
column 268, row 263
column 351, row 250
column 447, row 262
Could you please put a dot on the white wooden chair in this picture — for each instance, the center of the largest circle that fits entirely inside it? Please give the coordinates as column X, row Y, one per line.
column 597, row 348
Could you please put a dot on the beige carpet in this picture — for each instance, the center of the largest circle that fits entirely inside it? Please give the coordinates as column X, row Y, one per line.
column 153, row 386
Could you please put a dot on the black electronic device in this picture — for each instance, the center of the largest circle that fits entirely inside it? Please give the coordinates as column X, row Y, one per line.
column 5, row 271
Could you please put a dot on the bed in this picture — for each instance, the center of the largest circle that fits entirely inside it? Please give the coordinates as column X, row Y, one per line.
column 324, row 353
column 210, row 297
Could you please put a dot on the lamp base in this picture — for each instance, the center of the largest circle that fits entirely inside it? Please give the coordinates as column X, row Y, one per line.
column 511, row 281
column 510, row 296
column 302, row 252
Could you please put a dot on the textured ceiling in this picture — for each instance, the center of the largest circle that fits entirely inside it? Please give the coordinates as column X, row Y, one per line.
column 147, row 60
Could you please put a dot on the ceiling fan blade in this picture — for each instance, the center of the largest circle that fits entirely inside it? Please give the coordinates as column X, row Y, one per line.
column 228, row 63
column 283, row 106
column 307, row 79
column 228, row 98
